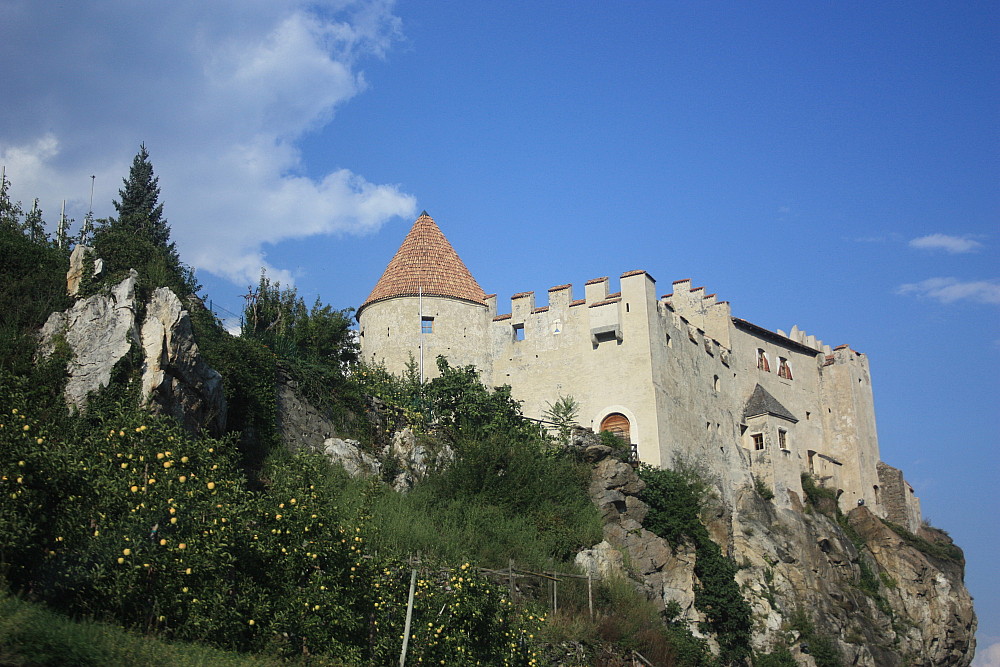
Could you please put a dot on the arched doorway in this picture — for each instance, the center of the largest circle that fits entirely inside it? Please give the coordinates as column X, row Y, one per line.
column 618, row 424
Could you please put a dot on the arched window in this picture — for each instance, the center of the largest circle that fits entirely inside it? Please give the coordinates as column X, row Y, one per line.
column 784, row 370
column 618, row 424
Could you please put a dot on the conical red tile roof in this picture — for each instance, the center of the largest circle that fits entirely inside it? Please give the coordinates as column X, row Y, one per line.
column 426, row 262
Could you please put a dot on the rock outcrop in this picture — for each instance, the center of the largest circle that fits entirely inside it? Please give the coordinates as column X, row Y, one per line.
column 882, row 601
column 78, row 266
column 99, row 330
column 175, row 379
column 404, row 461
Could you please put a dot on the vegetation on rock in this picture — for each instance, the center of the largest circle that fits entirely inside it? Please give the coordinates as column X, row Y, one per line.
column 675, row 498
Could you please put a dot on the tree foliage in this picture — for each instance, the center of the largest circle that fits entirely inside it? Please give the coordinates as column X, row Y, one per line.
column 10, row 211
column 140, row 211
column 675, row 498
column 279, row 318
column 461, row 403
column 139, row 238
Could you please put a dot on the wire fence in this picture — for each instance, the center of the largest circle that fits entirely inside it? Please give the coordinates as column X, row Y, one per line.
column 511, row 576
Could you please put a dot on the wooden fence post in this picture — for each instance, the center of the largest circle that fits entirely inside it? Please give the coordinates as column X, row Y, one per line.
column 590, row 595
column 409, row 617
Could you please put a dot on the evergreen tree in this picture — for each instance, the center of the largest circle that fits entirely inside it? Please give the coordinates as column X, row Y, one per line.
column 62, row 230
column 10, row 212
column 34, row 226
column 139, row 238
column 139, row 210
column 87, row 230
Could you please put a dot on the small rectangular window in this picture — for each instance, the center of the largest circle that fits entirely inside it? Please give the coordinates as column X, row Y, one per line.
column 426, row 325
column 758, row 441
column 782, row 438
column 518, row 332
column 784, row 370
column 762, row 361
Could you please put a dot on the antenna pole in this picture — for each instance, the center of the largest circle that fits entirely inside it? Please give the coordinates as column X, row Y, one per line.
column 61, row 232
column 92, row 178
column 420, row 307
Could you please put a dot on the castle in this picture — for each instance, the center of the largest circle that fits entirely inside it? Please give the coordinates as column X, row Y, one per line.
column 677, row 375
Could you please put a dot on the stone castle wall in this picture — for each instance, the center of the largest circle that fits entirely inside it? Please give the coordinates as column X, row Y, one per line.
column 679, row 368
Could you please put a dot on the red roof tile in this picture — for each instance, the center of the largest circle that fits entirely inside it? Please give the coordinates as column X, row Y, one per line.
column 426, row 262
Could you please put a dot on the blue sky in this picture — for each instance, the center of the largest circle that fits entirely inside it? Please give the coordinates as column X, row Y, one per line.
column 833, row 166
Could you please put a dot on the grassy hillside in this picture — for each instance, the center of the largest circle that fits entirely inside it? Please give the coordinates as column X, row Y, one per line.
column 238, row 545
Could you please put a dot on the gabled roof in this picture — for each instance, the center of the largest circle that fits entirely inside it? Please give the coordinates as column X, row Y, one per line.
column 426, row 263
column 762, row 403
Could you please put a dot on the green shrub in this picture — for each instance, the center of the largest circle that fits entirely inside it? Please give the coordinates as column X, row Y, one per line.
column 781, row 657
column 675, row 498
column 762, row 489
column 123, row 516
column 941, row 550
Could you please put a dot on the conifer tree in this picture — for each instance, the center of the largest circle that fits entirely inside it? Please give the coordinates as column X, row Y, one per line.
column 34, row 226
column 10, row 211
column 139, row 238
column 139, row 210
column 87, row 230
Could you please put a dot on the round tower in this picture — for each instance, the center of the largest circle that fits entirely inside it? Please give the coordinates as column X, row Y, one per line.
column 425, row 304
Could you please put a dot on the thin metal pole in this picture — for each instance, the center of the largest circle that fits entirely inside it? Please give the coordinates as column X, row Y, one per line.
column 409, row 617
column 92, row 178
column 590, row 595
column 420, row 307
column 61, row 231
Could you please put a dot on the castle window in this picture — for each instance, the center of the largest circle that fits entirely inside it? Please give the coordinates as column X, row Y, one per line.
column 619, row 425
column 782, row 438
column 716, row 384
column 670, row 341
column 519, row 332
column 758, row 441
column 784, row 370
column 762, row 361
column 426, row 325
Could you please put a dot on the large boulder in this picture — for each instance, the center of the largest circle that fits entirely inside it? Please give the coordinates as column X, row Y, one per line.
column 175, row 379
column 412, row 458
column 99, row 330
column 349, row 454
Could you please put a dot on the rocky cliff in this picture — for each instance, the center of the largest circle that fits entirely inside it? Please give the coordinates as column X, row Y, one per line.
column 882, row 597
column 102, row 330
column 879, row 595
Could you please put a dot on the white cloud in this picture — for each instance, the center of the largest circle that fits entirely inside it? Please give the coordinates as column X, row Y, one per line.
column 988, row 656
column 949, row 290
column 952, row 244
column 221, row 99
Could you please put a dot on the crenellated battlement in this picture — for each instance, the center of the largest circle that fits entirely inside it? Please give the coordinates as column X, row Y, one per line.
column 677, row 373
column 597, row 292
column 702, row 310
column 808, row 340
